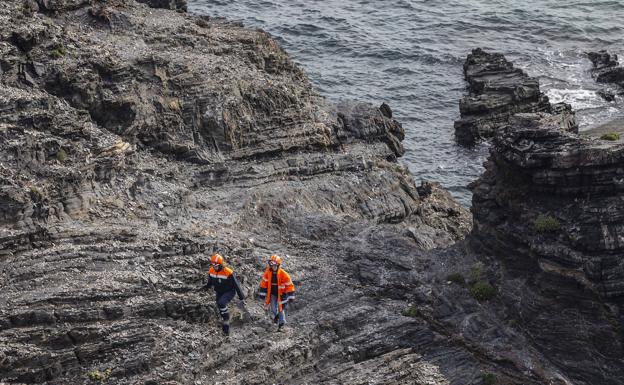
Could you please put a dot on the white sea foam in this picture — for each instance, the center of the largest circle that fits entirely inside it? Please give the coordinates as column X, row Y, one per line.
column 580, row 99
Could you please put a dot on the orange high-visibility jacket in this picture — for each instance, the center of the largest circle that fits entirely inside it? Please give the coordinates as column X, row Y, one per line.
column 285, row 287
column 223, row 281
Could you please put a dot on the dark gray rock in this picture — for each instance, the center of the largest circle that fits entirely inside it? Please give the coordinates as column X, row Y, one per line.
column 496, row 91
column 606, row 68
column 549, row 206
column 159, row 138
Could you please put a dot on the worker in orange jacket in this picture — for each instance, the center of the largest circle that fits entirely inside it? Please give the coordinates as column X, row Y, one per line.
column 225, row 284
column 277, row 289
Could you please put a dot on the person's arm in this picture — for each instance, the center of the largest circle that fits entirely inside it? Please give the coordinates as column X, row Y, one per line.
column 264, row 285
column 237, row 287
column 208, row 284
column 289, row 290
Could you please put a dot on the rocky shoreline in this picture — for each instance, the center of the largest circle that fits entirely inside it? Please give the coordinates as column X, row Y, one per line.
column 497, row 91
column 136, row 141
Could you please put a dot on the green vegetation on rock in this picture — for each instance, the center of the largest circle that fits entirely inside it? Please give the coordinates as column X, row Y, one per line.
column 610, row 136
column 475, row 272
column 96, row 375
column 482, row 291
column 36, row 194
column 410, row 311
column 61, row 155
column 58, row 52
column 546, row 224
column 488, row 379
column 456, row 278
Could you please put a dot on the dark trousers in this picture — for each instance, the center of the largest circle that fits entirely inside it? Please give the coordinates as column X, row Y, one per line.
column 222, row 304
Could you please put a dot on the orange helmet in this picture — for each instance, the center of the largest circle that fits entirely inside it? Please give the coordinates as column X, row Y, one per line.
column 216, row 259
column 275, row 260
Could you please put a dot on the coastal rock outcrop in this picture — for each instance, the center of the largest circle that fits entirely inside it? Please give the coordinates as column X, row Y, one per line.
column 549, row 206
column 496, row 91
column 606, row 70
column 137, row 141
column 557, row 197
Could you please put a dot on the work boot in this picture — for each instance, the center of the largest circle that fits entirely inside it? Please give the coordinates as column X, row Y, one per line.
column 226, row 329
column 276, row 318
column 280, row 327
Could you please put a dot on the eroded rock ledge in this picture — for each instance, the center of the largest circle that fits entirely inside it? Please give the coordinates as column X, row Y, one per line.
column 496, row 91
column 549, row 206
column 136, row 141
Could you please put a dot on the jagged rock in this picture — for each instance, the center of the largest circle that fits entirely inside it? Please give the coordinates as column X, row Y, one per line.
column 148, row 144
column 536, row 169
column 608, row 96
column 550, row 206
column 496, row 91
column 143, row 142
column 606, row 68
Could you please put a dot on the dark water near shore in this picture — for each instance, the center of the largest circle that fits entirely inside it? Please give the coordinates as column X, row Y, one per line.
column 410, row 54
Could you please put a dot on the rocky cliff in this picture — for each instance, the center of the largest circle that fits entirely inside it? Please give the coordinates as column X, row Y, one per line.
column 496, row 91
column 549, row 207
column 136, row 141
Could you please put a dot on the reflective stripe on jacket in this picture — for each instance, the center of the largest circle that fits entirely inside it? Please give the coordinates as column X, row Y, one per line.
column 285, row 287
column 224, row 281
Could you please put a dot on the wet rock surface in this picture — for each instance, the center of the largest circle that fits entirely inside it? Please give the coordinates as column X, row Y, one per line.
column 496, row 91
column 137, row 141
column 607, row 70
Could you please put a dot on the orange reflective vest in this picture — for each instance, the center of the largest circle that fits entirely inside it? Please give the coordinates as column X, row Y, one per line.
column 223, row 281
column 223, row 274
column 285, row 287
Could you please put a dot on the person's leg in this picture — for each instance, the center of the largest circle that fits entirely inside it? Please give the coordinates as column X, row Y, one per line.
column 222, row 305
column 274, row 306
column 282, row 318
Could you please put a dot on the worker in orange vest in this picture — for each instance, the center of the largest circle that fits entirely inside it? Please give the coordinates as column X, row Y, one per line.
column 225, row 284
column 277, row 289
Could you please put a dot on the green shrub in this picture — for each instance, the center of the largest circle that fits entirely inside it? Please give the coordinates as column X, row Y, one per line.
column 456, row 278
column 36, row 194
column 546, row 224
column 61, row 155
column 476, row 271
column 410, row 311
column 488, row 379
column 482, row 291
column 58, row 51
column 96, row 375
column 610, row 136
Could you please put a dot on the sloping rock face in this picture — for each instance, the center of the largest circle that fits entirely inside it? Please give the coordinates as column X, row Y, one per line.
column 496, row 91
column 137, row 141
column 549, row 205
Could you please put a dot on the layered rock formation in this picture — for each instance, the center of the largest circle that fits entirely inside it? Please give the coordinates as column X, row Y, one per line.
column 497, row 91
column 606, row 70
column 137, row 141
column 550, row 206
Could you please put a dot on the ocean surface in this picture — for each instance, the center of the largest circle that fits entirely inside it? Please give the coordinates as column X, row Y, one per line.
column 409, row 54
